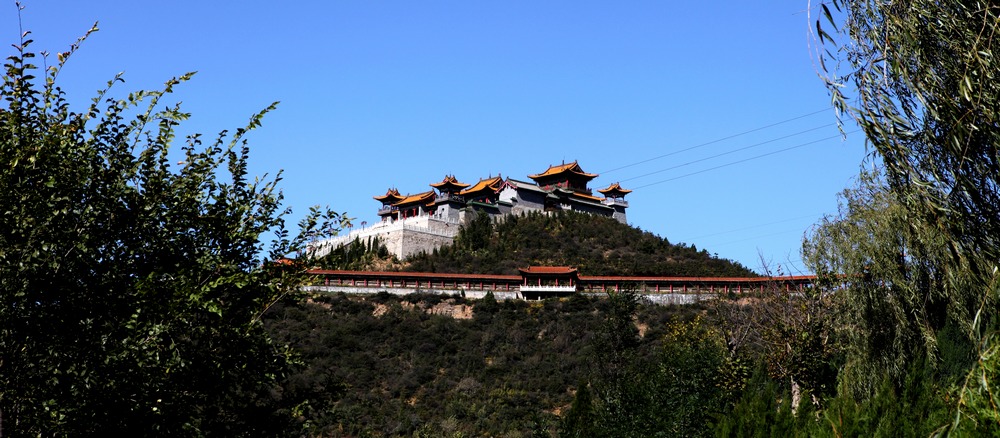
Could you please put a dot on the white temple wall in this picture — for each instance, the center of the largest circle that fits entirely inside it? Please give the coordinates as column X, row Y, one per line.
column 620, row 214
column 410, row 241
column 401, row 237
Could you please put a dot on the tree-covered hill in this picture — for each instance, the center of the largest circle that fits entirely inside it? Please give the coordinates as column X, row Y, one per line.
column 596, row 245
column 385, row 365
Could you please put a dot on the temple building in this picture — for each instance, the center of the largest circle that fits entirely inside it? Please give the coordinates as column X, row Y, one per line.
column 539, row 282
column 427, row 220
column 558, row 188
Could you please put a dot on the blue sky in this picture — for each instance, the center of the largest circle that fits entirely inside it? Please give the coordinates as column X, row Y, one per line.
column 380, row 94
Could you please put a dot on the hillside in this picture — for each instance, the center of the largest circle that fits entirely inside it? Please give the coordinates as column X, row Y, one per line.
column 392, row 366
column 595, row 245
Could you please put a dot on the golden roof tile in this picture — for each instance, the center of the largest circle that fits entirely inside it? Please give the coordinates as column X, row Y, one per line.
column 573, row 168
column 449, row 180
column 419, row 198
column 613, row 189
column 391, row 196
column 484, row 184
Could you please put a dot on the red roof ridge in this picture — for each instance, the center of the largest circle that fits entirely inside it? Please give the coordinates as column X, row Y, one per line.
column 547, row 270
column 413, row 274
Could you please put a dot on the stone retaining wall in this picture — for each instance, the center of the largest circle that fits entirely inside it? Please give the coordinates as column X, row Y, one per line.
column 361, row 290
column 401, row 238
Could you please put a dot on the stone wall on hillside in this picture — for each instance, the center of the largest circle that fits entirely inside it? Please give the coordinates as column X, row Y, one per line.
column 402, row 238
column 361, row 290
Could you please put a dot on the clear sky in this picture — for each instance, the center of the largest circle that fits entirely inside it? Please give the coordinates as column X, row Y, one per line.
column 652, row 94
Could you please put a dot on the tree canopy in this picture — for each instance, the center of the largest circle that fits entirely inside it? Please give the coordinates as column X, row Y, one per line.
column 132, row 290
column 917, row 244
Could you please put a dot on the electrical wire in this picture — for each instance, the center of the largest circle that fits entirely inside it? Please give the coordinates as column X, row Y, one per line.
column 729, row 152
column 747, row 239
column 742, row 161
column 716, row 141
column 751, row 227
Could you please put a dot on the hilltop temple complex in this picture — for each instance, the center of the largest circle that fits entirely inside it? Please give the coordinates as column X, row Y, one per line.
column 421, row 222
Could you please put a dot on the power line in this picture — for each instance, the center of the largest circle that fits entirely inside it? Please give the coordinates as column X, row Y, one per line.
column 715, row 141
column 729, row 152
column 751, row 227
column 742, row 161
column 747, row 239
column 789, row 263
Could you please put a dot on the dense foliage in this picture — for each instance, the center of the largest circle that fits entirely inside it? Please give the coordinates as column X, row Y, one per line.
column 914, row 249
column 607, row 366
column 406, row 366
column 132, row 291
column 900, row 299
column 596, row 245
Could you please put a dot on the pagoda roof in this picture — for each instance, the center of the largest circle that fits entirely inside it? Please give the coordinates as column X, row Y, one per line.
column 548, row 270
column 484, row 184
column 511, row 182
column 584, row 196
column 613, row 190
column 575, row 197
column 419, row 198
column 451, row 182
column 592, row 204
column 562, row 169
column 391, row 196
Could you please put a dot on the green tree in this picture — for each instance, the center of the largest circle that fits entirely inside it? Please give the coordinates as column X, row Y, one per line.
column 897, row 296
column 685, row 391
column 920, row 78
column 925, row 92
column 764, row 411
column 132, row 291
column 476, row 234
column 579, row 420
